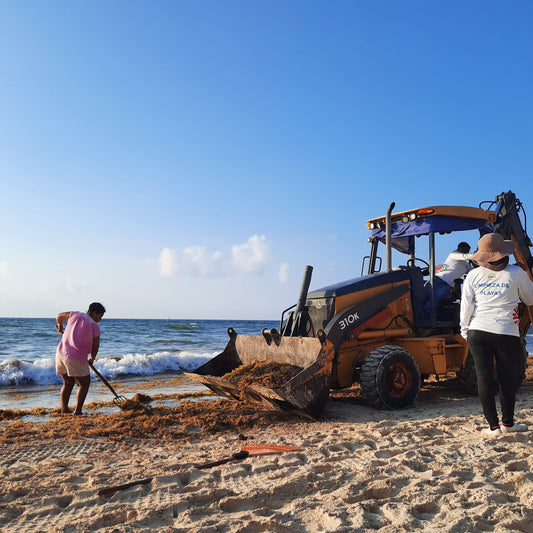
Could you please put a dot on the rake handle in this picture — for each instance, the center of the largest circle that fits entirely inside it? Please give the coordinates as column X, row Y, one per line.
column 235, row 457
column 111, row 490
column 104, row 381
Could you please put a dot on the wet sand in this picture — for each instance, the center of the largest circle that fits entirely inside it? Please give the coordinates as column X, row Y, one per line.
column 47, row 396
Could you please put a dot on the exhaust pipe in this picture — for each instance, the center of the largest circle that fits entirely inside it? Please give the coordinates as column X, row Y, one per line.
column 300, row 306
column 388, row 224
column 304, row 289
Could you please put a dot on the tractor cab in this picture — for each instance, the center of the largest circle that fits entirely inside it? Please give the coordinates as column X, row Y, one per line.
column 400, row 231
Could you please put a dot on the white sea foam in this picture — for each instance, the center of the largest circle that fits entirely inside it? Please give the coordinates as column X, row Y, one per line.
column 152, row 364
column 42, row 371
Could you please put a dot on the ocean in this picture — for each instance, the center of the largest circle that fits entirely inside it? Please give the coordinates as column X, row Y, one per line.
column 130, row 349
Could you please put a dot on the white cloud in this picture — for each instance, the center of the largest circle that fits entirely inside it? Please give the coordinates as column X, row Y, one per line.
column 252, row 255
column 168, row 262
column 283, row 273
column 4, row 270
column 193, row 261
column 196, row 261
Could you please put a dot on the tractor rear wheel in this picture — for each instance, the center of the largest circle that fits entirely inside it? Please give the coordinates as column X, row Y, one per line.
column 390, row 378
column 467, row 376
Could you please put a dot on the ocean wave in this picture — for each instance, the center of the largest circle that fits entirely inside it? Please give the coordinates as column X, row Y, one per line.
column 15, row 372
column 38, row 372
column 41, row 371
column 153, row 363
column 191, row 325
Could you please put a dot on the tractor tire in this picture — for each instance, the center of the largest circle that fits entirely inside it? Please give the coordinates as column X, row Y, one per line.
column 390, row 378
column 467, row 376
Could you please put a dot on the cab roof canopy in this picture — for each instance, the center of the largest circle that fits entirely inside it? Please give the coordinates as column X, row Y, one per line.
column 406, row 225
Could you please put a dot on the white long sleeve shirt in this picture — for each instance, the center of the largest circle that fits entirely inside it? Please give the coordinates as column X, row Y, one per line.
column 490, row 300
column 455, row 267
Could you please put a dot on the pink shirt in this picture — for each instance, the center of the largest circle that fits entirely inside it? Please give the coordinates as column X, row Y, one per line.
column 77, row 340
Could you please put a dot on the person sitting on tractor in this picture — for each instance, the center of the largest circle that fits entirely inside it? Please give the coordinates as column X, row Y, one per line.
column 456, row 266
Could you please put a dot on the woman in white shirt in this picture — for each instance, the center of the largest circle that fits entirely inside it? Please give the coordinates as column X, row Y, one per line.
column 489, row 320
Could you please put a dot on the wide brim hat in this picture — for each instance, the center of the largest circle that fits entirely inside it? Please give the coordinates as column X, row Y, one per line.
column 492, row 247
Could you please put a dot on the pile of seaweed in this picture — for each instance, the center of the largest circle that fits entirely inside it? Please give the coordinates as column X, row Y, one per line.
column 140, row 402
column 138, row 419
column 269, row 374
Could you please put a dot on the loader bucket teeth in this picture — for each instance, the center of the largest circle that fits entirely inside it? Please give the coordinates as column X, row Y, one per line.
column 306, row 393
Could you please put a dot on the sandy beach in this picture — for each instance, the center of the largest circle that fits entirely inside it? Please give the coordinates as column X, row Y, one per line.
column 426, row 468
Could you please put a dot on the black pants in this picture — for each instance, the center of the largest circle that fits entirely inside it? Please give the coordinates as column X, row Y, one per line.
column 504, row 377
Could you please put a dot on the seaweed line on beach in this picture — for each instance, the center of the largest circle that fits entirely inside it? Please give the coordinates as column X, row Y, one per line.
column 183, row 421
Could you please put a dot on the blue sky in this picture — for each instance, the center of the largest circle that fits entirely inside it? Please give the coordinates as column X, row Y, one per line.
column 187, row 159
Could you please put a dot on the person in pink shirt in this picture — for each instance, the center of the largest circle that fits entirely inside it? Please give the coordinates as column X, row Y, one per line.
column 80, row 338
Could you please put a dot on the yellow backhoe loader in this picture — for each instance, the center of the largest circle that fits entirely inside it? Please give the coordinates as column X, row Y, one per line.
column 384, row 329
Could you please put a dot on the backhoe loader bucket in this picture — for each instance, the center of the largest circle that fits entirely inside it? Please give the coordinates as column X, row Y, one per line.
column 306, row 393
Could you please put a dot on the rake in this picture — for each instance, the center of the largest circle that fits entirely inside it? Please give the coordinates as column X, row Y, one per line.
column 249, row 450
column 117, row 400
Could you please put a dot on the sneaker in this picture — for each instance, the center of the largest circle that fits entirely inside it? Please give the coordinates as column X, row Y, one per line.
column 491, row 433
column 514, row 428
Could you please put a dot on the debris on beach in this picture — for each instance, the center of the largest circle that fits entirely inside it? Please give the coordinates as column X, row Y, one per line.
column 269, row 374
column 189, row 419
column 138, row 403
column 11, row 414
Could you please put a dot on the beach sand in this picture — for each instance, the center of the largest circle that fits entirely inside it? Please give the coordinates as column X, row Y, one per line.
column 425, row 468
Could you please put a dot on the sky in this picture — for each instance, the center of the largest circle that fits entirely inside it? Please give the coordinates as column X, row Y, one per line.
column 187, row 159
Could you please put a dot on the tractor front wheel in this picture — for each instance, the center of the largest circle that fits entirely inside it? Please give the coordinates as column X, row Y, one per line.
column 390, row 378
